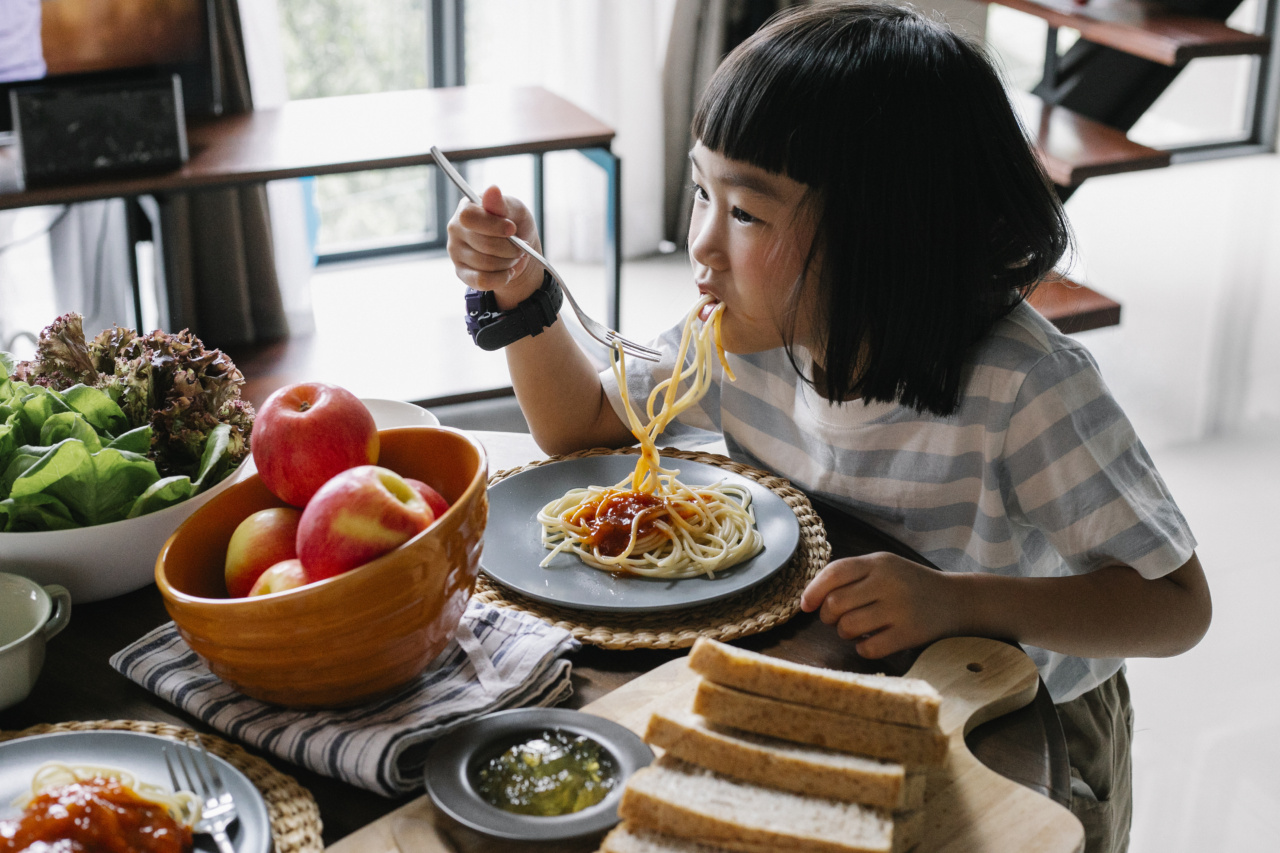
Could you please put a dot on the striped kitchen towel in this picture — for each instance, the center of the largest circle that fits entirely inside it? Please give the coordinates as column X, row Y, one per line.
column 498, row 659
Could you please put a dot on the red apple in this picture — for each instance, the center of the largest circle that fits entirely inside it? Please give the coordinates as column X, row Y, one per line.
column 435, row 500
column 306, row 433
column 287, row 574
column 358, row 515
column 258, row 543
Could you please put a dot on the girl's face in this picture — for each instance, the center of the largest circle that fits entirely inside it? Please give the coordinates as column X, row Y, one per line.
column 748, row 239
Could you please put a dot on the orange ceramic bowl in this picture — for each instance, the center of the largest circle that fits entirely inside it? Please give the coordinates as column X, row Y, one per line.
column 349, row 638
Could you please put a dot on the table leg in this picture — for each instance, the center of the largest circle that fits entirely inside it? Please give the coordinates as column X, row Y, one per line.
column 137, row 229
column 539, row 205
column 612, row 165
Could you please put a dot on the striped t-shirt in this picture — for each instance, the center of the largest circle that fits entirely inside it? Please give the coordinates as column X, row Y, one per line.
column 1038, row 474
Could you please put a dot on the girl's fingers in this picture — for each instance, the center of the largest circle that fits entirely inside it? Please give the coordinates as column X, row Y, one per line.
column 842, row 600
column 862, row 622
column 495, row 202
column 483, row 278
column 836, row 574
column 484, row 256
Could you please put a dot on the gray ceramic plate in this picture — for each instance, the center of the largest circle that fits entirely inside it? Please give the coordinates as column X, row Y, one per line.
column 455, row 759
column 141, row 755
column 513, row 540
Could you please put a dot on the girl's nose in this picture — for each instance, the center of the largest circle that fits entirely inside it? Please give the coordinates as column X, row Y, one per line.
column 706, row 242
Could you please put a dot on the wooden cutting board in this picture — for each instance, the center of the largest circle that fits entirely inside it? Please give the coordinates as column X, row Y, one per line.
column 968, row 808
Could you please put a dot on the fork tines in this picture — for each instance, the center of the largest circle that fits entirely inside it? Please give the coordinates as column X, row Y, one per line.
column 633, row 348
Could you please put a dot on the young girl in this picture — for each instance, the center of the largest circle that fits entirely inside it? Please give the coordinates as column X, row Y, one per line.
column 868, row 213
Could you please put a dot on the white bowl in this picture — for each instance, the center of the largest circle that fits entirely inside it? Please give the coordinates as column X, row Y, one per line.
column 104, row 560
column 388, row 414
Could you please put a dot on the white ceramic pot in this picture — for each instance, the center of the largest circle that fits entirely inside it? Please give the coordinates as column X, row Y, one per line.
column 29, row 615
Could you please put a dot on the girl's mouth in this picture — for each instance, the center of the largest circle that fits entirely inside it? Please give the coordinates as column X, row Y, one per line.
column 705, row 313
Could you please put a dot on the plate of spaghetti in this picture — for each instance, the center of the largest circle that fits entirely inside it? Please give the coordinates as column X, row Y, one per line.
column 104, row 788
column 638, row 532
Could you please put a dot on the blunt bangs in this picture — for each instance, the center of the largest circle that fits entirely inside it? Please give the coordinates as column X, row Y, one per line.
column 933, row 214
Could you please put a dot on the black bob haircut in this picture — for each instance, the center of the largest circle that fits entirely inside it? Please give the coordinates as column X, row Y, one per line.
column 934, row 216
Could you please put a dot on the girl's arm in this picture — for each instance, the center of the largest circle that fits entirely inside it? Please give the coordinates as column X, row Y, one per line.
column 556, row 384
column 889, row 603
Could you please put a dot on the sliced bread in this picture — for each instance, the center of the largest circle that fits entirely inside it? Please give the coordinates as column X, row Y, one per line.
column 912, row 701
column 787, row 766
column 672, row 797
column 910, row 745
column 625, row 838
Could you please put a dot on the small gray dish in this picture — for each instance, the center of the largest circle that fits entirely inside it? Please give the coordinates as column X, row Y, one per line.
column 454, row 761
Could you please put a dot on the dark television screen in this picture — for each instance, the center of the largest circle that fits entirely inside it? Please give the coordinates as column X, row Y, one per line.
column 67, row 42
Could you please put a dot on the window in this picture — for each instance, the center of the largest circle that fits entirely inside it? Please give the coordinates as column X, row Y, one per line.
column 348, row 47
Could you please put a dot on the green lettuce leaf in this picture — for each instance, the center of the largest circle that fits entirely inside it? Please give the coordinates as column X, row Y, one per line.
column 98, row 408
column 216, row 460
column 34, row 513
column 162, row 494
column 135, row 440
column 106, row 491
column 66, row 425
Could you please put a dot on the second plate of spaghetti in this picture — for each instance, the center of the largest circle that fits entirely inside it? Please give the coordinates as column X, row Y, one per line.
column 514, row 549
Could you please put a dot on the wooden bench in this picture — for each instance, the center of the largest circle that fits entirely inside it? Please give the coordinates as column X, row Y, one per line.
column 1072, row 148
column 1144, row 29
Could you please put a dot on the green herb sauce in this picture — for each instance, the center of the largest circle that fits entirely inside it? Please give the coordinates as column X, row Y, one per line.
column 553, row 774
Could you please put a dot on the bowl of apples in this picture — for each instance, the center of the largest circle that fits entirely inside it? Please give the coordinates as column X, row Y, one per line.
column 339, row 569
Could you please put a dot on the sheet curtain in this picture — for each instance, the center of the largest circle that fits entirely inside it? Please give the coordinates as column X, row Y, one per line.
column 702, row 33
column 220, row 276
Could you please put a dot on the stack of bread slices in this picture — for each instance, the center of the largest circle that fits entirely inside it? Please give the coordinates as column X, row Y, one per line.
column 776, row 755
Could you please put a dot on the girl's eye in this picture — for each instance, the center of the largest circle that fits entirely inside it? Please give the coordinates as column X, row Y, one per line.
column 742, row 216
column 699, row 193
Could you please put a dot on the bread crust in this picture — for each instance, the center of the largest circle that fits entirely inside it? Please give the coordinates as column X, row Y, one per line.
column 910, row 745
column 709, row 821
column 811, row 771
column 910, row 701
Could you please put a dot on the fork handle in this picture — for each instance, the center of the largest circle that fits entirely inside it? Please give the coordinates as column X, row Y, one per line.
column 223, row 841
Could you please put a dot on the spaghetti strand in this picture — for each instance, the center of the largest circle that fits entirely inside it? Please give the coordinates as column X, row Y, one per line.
column 650, row 524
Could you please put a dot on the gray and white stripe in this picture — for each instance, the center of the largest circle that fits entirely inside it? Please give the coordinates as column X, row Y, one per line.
column 1039, row 472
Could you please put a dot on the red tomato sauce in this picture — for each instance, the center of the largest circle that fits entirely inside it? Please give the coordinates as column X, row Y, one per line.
column 610, row 518
column 98, row 816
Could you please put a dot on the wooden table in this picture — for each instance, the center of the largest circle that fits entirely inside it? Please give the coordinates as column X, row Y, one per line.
column 78, row 683
column 354, row 133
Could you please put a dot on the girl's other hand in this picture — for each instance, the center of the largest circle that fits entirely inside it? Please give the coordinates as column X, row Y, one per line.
column 483, row 256
column 885, row 603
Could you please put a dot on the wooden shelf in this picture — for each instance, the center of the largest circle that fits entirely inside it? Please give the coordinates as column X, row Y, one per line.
column 1073, row 148
column 1073, row 307
column 1144, row 29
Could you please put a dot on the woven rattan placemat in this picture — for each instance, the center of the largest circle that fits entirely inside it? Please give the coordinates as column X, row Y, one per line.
column 295, row 817
column 760, row 608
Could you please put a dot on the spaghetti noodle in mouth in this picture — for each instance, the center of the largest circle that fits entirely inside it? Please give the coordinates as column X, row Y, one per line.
column 651, row 524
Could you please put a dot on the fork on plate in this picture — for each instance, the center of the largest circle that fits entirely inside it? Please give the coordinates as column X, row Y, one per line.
column 194, row 770
column 595, row 329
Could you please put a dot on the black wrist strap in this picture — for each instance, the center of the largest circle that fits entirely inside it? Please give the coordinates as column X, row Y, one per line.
column 493, row 329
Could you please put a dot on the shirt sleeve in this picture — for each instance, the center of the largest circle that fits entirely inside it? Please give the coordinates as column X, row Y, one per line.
column 1080, row 474
column 699, row 422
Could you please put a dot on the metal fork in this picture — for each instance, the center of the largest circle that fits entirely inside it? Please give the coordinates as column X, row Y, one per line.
column 597, row 330
column 200, row 776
